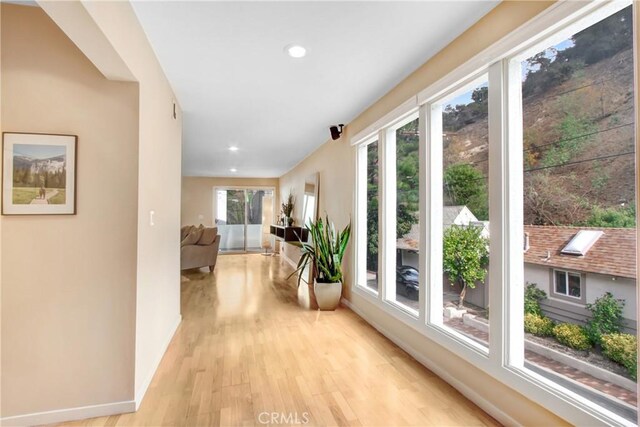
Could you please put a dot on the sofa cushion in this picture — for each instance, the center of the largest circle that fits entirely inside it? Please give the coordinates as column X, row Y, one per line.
column 208, row 236
column 193, row 236
column 184, row 231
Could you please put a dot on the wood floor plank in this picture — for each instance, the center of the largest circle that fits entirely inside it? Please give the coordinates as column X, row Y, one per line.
column 246, row 353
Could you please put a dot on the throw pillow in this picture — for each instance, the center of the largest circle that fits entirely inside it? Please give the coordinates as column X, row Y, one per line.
column 184, row 231
column 193, row 236
column 208, row 236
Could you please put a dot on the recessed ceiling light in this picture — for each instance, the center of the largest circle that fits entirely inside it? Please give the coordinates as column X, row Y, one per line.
column 233, row 148
column 295, row 51
column 233, row 170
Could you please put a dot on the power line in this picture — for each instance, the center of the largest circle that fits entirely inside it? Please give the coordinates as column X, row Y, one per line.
column 611, row 156
column 584, row 135
column 560, row 165
column 560, row 141
column 597, row 82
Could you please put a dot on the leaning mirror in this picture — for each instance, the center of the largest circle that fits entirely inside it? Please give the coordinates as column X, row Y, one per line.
column 310, row 200
column 310, row 213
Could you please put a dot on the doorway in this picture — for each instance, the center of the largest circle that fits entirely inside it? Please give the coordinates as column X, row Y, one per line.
column 243, row 216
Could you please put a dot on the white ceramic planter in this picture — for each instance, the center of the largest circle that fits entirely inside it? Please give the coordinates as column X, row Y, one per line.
column 327, row 295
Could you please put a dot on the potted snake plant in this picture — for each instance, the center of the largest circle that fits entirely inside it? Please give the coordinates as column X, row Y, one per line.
column 324, row 253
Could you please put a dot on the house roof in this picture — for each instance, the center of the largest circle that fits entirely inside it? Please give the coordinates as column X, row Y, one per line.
column 450, row 214
column 614, row 253
column 411, row 240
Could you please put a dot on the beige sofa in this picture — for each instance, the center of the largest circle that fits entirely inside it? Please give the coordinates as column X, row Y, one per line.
column 199, row 247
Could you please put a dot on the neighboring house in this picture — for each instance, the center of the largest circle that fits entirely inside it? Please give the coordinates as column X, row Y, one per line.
column 576, row 265
column 408, row 245
column 407, row 248
column 572, row 271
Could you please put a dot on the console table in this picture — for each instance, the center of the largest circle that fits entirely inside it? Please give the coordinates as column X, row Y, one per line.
column 288, row 234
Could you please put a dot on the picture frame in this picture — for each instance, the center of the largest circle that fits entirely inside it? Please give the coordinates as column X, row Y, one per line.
column 38, row 174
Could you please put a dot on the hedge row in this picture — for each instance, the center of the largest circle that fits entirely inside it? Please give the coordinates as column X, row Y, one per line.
column 623, row 349
column 620, row 348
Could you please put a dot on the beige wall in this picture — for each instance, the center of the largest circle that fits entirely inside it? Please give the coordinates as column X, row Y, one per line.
column 69, row 282
column 1, row 220
column 197, row 195
column 160, row 151
column 335, row 162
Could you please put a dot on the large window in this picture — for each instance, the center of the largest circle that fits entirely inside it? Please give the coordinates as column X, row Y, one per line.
column 463, row 239
column 368, row 247
column 578, row 192
column 403, row 288
column 511, row 203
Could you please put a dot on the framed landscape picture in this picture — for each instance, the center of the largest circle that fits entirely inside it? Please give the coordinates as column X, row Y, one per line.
column 39, row 174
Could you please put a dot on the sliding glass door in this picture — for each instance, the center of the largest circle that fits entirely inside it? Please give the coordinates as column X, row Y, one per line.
column 242, row 216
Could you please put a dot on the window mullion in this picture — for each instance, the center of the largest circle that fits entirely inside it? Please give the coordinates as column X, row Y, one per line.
column 514, row 214
column 389, row 201
column 506, row 290
column 497, row 212
column 434, row 211
column 361, row 216
column 382, row 212
column 424, row 252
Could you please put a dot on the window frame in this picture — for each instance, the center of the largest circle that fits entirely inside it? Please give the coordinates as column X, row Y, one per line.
column 390, row 210
column 360, row 234
column 434, row 194
column 567, row 296
column 502, row 62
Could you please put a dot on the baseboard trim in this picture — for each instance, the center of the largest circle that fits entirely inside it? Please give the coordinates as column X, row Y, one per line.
column 142, row 390
column 70, row 414
column 470, row 394
column 289, row 261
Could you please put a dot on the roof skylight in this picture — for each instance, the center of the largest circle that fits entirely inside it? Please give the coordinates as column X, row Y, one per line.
column 582, row 242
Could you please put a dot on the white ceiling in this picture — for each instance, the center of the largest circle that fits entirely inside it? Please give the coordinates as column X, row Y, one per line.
column 236, row 86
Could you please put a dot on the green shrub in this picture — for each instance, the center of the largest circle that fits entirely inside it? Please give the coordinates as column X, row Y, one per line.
column 623, row 349
column 541, row 326
column 606, row 317
column 572, row 336
column 532, row 297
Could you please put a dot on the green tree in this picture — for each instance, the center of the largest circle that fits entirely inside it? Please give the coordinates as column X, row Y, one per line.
column 465, row 185
column 407, row 178
column 595, row 43
column 603, row 39
column 235, row 207
column 571, row 140
column 532, row 297
column 606, row 317
column 622, row 217
column 455, row 118
column 372, row 207
column 407, row 185
column 465, row 257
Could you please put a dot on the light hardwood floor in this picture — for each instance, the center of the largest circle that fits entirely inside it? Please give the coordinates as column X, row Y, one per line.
column 245, row 351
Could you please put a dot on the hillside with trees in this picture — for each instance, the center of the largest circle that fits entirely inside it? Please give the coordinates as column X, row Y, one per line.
column 578, row 133
column 578, row 140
